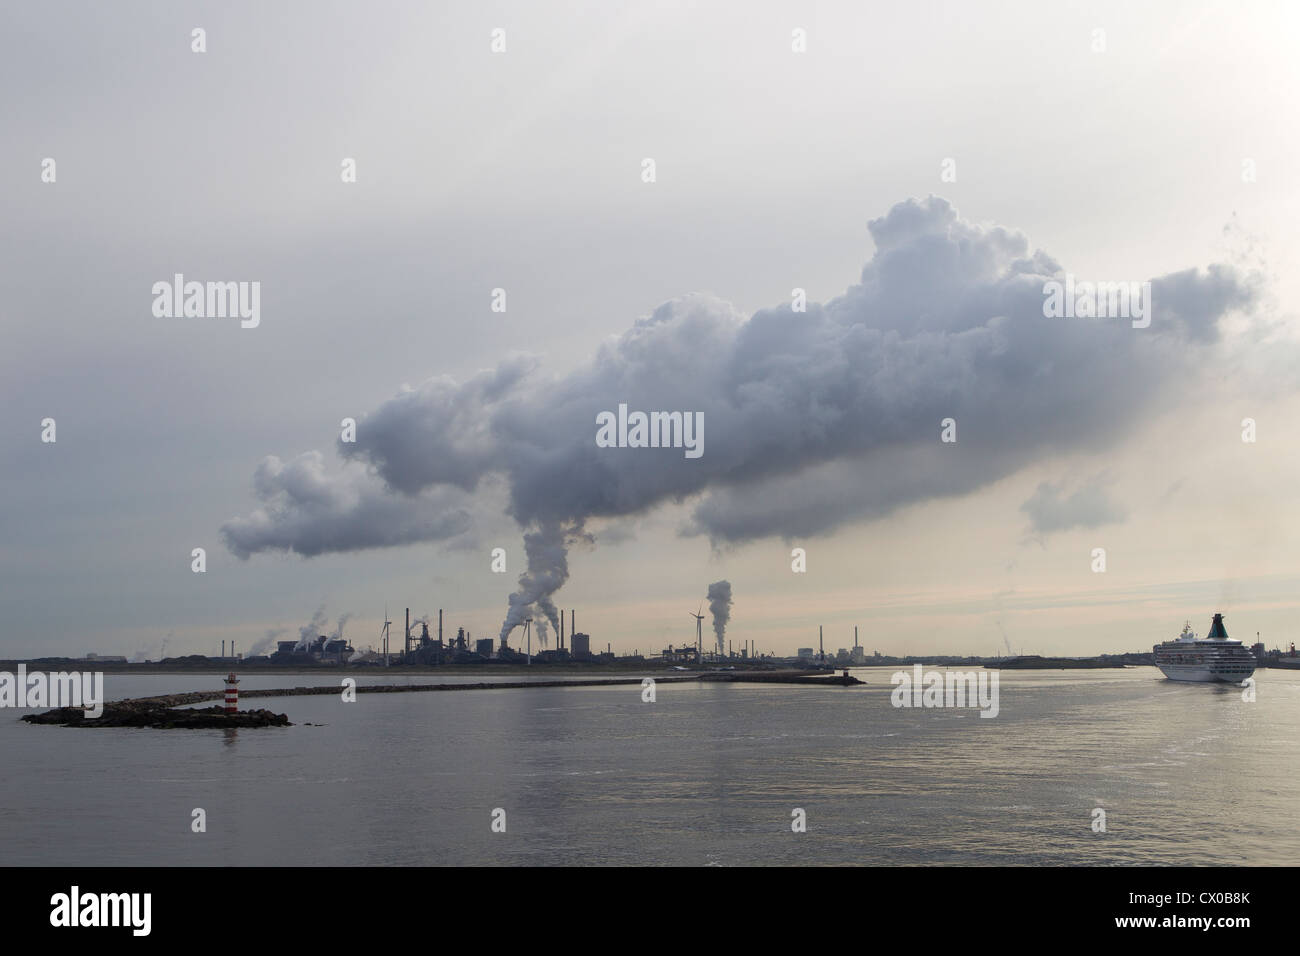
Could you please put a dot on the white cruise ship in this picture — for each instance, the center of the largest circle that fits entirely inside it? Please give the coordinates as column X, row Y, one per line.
column 1213, row 658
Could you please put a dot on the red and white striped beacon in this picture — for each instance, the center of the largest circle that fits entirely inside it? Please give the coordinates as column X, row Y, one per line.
column 232, row 694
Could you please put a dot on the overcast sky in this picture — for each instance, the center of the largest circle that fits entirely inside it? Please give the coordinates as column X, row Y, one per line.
column 1166, row 156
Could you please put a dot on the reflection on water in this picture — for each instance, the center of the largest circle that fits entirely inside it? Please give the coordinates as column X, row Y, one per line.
column 707, row 775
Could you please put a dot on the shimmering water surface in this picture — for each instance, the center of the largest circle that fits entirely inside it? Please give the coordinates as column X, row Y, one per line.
column 706, row 775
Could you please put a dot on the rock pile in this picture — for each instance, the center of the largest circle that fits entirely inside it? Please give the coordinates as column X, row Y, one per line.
column 147, row 713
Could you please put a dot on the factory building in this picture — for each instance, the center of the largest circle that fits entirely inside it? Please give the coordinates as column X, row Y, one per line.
column 858, row 655
column 581, row 646
column 329, row 650
column 686, row 654
column 336, row 651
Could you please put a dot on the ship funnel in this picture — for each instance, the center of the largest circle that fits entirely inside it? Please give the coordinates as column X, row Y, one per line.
column 1217, row 632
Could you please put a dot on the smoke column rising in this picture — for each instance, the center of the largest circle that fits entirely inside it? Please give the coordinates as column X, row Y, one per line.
column 547, row 553
column 312, row 629
column 720, row 607
column 266, row 642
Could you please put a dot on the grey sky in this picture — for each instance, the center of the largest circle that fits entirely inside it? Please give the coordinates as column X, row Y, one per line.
column 522, row 170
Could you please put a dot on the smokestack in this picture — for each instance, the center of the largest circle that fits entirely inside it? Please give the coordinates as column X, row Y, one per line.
column 223, row 648
column 561, row 630
column 855, row 637
column 439, row 625
column 821, row 648
column 406, row 639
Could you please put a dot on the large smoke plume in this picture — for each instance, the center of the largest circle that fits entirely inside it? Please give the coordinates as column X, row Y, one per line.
column 815, row 418
column 547, row 553
column 720, row 608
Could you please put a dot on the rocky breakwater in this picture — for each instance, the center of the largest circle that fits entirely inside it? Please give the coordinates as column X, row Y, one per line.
column 167, row 711
column 158, row 716
column 783, row 677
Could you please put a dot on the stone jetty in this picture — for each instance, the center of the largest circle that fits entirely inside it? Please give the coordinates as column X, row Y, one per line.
column 162, row 711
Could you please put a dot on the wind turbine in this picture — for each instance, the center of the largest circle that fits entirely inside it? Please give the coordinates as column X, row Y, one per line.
column 699, row 632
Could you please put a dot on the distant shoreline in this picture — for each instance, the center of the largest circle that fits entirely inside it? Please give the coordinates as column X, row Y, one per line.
column 587, row 669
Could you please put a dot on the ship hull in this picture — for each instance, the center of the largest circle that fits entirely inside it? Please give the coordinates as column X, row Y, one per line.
column 1200, row 674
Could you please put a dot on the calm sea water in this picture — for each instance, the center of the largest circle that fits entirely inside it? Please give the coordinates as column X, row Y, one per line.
column 707, row 775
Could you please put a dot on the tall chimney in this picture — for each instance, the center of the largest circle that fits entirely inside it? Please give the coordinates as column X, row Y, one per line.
column 821, row 648
column 439, row 625
column 406, row 638
column 223, row 648
column 855, row 635
column 561, row 630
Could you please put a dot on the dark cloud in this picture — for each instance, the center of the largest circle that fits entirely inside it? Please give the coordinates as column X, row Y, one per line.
column 309, row 511
column 946, row 322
